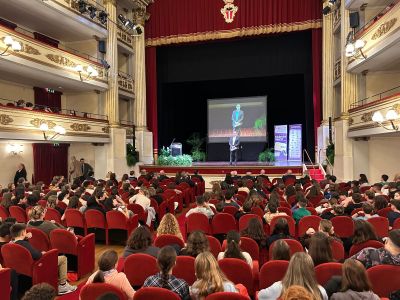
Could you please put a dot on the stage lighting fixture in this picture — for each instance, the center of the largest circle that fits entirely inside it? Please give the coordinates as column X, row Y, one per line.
column 92, row 11
column 124, row 20
column 137, row 29
column 105, row 64
column 326, row 10
column 103, row 17
column 82, row 6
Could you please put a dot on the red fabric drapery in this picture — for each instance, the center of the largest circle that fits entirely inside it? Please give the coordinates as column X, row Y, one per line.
column 151, row 91
column 317, row 78
column 49, row 160
column 42, row 97
column 177, row 21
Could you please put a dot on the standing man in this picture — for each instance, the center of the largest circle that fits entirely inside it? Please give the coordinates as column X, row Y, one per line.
column 86, row 169
column 75, row 169
column 234, row 142
column 237, row 118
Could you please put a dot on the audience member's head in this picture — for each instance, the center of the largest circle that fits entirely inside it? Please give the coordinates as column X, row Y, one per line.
column 18, row 231
column 363, row 231
column 166, row 260
column 107, row 262
column 200, row 201
column 395, row 205
column 233, row 245
column 196, row 243
column 5, row 235
column 380, row 202
column 320, row 249
column 392, row 243
column 229, row 194
column 41, row 291
column 354, row 276
column 169, row 225
column 281, row 227
column 36, row 213
column 140, row 239
column 281, row 250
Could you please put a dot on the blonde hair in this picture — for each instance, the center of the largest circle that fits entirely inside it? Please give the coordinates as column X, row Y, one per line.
column 301, row 272
column 36, row 212
column 169, row 225
column 296, row 292
column 210, row 278
column 326, row 227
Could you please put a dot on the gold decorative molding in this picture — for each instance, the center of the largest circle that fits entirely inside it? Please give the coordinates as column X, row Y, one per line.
column 367, row 117
column 384, row 28
column 139, row 14
column 80, row 127
column 125, row 83
column 37, row 122
column 396, row 107
column 30, row 50
column 124, row 37
column 106, row 129
column 129, row 131
column 61, row 60
column 351, row 121
column 5, row 119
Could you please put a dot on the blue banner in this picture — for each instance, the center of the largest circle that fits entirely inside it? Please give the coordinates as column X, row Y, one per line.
column 295, row 142
column 281, row 139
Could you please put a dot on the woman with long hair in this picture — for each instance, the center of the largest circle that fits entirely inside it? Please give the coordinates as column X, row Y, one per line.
column 210, row 278
column 233, row 248
column 107, row 273
column 281, row 251
column 355, row 283
column 300, row 272
column 363, row 231
column 196, row 243
column 140, row 241
column 296, row 292
column 255, row 231
column 281, row 231
column 6, row 201
column 166, row 261
column 314, row 190
column 169, row 225
column 320, row 249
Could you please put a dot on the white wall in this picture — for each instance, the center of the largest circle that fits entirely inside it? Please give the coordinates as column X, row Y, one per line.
column 379, row 82
column 83, row 102
column 14, row 91
column 82, row 150
column 360, row 158
column 9, row 162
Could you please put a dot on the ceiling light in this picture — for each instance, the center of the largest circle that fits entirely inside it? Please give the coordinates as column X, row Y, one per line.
column 79, row 68
column 377, row 117
column 16, row 46
column 11, row 43
column 59, row 130
column 8, row 40
column 391, row 115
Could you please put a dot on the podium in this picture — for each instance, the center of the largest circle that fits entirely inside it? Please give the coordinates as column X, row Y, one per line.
column 176, row 149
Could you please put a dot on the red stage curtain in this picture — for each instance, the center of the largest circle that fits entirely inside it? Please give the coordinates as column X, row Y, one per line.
column 151, row 90
column 42, row 97
column 49, row 160
column 178, row 21
column 317, row 78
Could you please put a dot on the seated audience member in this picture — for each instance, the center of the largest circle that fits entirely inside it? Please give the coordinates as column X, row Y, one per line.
column 325, row 227
column 300, row 272
column 245, row 210
column 166, row 261
column 242, row 187
column 366, row 213
column 302, row 211
column 196, row 243
column 169, row 225
column 281, row 231
column 395, row 213
column 19, row 236
column 288, row 175
column 142, row 198
column 352, row 203
column 41, row 291
column 210, row 278
column 363, row 232
column 314, row 190
column 229, row 201
column 380, row 202
column 272, row 212
column 116, row 203
column 255, row 231
column 7, row 200
column 281, row 251
column 377, row 189
column 297, row 292
column 363, row 180
column 326, row 204
column 336, row 211
column 384, row 180
column 140, row 241
column 289, row 191
column 388, row 255
column 5, row 238
column 201, row 208
column 353, row 284
column 320, row 249
column 233, row 248
column 108, row 273
column 92, row 202
column 36, row 220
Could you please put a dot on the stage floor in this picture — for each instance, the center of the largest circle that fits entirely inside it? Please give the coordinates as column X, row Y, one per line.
column 250, row 163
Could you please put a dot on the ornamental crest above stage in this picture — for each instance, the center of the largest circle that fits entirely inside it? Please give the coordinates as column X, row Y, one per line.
column 229, row 11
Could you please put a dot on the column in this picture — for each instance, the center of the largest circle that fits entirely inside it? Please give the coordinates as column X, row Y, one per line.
column 144, row 138
column 112, row 107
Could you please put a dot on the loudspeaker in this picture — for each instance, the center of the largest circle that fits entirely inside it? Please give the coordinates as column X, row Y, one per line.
column 354, row 19
column 102, row 47
column 330, row 131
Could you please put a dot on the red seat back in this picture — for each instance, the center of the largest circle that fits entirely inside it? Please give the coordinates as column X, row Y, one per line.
column 155, row 293
column 358, row 247
column 138, row 210
column 197, row 221
column 343, row 226
column 18, row 213
column 230, row 210
column 39, row 240
column 308, row 222
column 285, row 210
column 291, row 223
column 168, row 239
column 3, row 213
column 18, row 258
column 337, row 250
column 325, row 271
column 215, row 245
column 294, row 246
column 381, row 226
column 52, row 214
column 312, row 211
column 223, row 223
column 257, row 211
column 244, row 220
column 247, row 245
column 95, row 219
column 226, row 296
column 42, row 203
column 145, row 263
column 95, row 290
column 384, row 212
column 74, row 218
column 271, row 272
column 64, row 241
column 384, row 279
column 396, row 224
column 238, row 271
column 184, row 269
column 5, row 289
column 117, row 220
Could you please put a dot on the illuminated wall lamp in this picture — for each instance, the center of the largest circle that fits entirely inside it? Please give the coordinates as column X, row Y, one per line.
column 14, row 149
column 11, row 43
column 92, row 72
column 391, row 116
column 58, row 130
column 355, row 49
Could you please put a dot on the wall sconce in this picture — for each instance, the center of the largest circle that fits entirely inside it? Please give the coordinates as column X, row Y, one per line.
column 391, row 116
column 14, row 149
column 92, row 72
column 58, row 130
column 11, row 43
column 355, row 49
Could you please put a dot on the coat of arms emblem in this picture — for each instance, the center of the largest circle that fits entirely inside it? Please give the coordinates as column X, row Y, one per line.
column 229, row 11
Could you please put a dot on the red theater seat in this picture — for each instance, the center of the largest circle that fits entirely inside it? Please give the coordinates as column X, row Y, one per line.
column 5, row 288
column 184, row 269
column 145, row 263
column 93, row 291
column 197, row 222
column 39, row 240
column 324, row 272
column 96, row 220
column 294, row 246
column 291, row 223
column 244, row 220
column 226, row 296
column 18, row 213
column 167, row 240
column 271, row 272
column 343, row 226
column 75, row 219
column 215, row 245
column 238, row 271
column 117, row 220
column 368, row 244
column 384, row 279
column 53, row 215
column 155, row 293
column 222, row 223
column 308, row 222
column 381, row 226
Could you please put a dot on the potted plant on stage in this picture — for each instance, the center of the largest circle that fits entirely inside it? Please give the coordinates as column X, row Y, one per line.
column 196, row 141
column 267, row 155
column 132, row 156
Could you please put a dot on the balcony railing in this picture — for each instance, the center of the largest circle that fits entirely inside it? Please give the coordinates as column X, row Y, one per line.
column 124, row 37
column 337, row 16
column 338, row 69
column 125, row 82
column 376, row 99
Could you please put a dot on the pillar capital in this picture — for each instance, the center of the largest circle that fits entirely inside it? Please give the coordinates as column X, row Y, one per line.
column 111, row 2
column 139, row 14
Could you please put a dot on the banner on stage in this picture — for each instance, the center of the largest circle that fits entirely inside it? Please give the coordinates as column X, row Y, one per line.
column 281, row 142
column 295, row 142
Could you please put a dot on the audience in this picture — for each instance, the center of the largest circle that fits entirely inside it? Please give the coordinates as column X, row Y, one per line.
column 272, row 212
column 302, row 211
column 233, row 249
column 201, row 208
column 36, row 215
column 366, row 213
column 320, row 249
column 229, row 201
column 255, row 231
column 395, row 213
column 281, row 231
column 140, row 241
column 169, row 225
column 281, row 251
column 363, row 232
column 41, row 291
column 197, row 243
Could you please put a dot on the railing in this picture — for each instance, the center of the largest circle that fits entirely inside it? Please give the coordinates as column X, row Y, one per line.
column 124, row 37
column 125, row 82
column 325, row 160
column 337, row 15
column 338, row 69
column 309, row 158
column 29, row 106
column 378, row 97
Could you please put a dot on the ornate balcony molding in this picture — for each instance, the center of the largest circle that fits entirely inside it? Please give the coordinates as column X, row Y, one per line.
column 338, row 70
column 125, row 82
column 124, row 37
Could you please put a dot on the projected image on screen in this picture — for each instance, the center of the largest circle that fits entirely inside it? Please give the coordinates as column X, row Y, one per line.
column 246, row 117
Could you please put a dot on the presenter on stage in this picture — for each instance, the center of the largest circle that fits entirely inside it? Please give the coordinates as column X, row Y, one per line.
column 234, row 142
column 237, row 118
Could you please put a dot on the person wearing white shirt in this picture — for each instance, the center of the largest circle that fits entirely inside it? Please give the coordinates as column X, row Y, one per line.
column 201, row 208
column 233, row 249
column 144, row 201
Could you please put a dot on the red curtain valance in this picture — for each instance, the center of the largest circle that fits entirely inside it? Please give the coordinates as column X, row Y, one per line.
column 182, row 21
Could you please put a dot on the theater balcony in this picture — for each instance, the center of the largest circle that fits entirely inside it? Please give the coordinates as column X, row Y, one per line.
column 130, row 129
column 357, row 4
column 17, row 123
column 381, row 39
column 38, row 63
column 125, row 41
column 59, row 19
column 361, row 123
column 125, row 85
